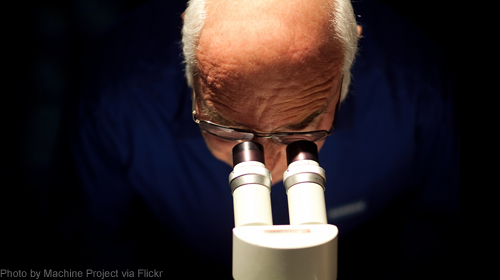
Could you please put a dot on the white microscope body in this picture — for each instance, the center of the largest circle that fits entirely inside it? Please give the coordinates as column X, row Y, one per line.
column 305, row 249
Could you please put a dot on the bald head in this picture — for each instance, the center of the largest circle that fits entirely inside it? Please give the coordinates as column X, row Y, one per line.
column 267, row 29
column 239, row 22
column 266, row 38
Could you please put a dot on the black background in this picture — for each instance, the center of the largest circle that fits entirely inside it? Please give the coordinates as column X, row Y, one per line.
column 42, row 43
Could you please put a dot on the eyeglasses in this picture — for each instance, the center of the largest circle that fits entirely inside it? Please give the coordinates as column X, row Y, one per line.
column 280, row 138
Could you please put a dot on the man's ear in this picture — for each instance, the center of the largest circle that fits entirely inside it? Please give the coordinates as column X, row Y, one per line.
column 182, row 16
column 360, row 29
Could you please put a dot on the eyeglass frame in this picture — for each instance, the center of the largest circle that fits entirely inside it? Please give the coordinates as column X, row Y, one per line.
column 259, row 134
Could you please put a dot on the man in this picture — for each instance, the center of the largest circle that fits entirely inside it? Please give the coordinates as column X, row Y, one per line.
column 284, row 74
column 155, row 184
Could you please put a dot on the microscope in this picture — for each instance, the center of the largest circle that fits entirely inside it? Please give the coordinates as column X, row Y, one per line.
column 305, row 249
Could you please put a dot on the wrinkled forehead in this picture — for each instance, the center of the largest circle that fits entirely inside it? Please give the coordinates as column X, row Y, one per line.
column 264, row 55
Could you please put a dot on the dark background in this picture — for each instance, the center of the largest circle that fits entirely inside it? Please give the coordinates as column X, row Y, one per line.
column 43, row 42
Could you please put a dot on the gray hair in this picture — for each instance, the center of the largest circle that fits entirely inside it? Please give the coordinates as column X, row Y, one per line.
column 343, row 23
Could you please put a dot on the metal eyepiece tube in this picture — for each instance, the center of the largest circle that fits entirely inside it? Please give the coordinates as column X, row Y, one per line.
column 304, row 181
column 250, row 184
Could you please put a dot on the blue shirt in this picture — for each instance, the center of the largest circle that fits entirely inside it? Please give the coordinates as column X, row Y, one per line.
column 153, row 192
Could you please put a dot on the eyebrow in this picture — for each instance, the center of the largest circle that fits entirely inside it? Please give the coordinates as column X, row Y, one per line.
column 215, row 117
column 306, row 122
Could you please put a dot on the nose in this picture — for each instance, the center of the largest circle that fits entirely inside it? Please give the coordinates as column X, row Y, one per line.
column 273, row 153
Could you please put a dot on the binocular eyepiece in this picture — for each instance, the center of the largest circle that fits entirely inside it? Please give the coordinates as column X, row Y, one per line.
column 248, row 151
column 252, row 151
column 304, row 181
